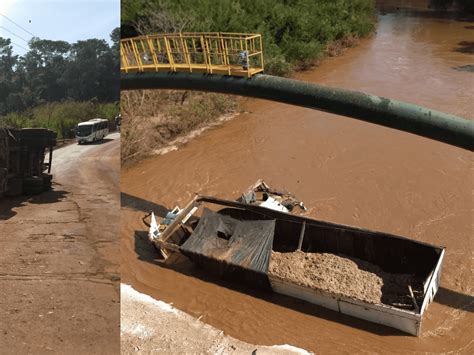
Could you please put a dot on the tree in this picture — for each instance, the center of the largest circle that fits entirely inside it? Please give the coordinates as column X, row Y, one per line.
column 90, row 73
column 54, row 71
column 45, row 63
column 7, row 82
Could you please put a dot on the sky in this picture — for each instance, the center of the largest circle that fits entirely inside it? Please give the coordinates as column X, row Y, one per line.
column 67, row 20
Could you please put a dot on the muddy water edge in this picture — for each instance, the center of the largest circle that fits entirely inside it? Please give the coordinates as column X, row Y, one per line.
column 347, row 172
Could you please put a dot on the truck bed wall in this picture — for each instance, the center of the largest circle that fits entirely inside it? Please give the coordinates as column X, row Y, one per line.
column 391, row 253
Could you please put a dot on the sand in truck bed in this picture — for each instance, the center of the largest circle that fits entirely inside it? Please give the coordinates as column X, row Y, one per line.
column 344, row 276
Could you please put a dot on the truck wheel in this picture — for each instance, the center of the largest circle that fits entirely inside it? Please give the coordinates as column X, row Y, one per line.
column 47, row 181
column 32, row 185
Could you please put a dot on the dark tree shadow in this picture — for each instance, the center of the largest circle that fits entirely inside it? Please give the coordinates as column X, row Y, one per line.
column 465, row 47
column 139, row 204
column 7, row 204
column 469, row 68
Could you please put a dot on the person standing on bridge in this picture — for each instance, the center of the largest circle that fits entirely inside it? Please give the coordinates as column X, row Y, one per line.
column 244, row 59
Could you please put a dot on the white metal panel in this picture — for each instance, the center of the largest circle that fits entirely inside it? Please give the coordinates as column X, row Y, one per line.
column 407, row 321
column 426, row 283
column 380, row 316
column 304, row 293
column 434, row 283
column 273, row 204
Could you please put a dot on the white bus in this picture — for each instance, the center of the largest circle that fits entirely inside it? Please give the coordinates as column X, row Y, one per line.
column 92, row 130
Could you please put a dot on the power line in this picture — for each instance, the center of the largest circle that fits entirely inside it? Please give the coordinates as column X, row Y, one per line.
column 13, row 33
column 19, row 26
column 19, row 46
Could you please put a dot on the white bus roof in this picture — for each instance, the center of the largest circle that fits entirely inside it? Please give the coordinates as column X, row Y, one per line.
column 91, row 122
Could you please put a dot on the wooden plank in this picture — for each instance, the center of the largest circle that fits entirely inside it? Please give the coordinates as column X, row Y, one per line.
column 303, row 229
column 175, row 224
column 417, row 309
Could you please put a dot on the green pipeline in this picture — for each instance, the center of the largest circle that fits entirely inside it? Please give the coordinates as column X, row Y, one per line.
column 399, row 115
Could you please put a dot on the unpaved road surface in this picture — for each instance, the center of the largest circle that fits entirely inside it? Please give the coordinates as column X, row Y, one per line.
column 59, row 273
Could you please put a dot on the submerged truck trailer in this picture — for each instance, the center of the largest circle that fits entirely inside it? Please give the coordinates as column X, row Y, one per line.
column 254, row 240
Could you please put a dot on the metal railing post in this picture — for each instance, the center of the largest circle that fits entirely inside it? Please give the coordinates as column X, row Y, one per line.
column 153, row 53
column 169, row 53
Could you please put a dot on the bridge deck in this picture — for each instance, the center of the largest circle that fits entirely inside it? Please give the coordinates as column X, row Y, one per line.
column 232, row 70
column 234, row 54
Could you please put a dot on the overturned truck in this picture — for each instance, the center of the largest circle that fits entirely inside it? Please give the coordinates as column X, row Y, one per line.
column 379, row 277
column 23, row 168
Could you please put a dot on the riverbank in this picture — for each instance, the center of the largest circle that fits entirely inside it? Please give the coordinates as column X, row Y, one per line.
column 157, row 121
column 60, row 117
column 170, row 330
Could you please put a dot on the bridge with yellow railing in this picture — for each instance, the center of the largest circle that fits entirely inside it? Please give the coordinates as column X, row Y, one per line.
column 183, row 60
column 234, row 54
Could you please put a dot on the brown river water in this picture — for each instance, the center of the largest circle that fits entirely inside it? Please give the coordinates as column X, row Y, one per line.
column 345, row 171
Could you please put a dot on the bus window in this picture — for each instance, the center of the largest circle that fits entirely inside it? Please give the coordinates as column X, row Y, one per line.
column 83, row 131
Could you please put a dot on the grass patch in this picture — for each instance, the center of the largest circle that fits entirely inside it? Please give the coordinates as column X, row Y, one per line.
column 60, row 117
column 151, row 119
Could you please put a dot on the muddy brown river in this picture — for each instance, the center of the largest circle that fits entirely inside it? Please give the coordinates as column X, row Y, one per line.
column 345, row 171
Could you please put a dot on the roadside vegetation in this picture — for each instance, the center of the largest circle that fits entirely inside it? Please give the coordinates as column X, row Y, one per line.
column 57, row 84
column 154, row 118
column 297, row 35
column 60, row 117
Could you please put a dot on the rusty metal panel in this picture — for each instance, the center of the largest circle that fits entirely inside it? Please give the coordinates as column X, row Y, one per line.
column 3, row 159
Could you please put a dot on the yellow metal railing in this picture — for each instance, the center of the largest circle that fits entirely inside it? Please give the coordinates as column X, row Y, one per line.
column 239, row 54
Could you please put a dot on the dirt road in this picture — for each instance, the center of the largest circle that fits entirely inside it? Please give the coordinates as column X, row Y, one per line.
column 59, row 272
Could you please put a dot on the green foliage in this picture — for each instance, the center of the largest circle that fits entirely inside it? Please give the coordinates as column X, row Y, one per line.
column 295, row 32
column 60, row 117
column 130, row 9
column 53, row 71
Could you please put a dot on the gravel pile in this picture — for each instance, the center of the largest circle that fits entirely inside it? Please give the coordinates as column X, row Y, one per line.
column 344, row 276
